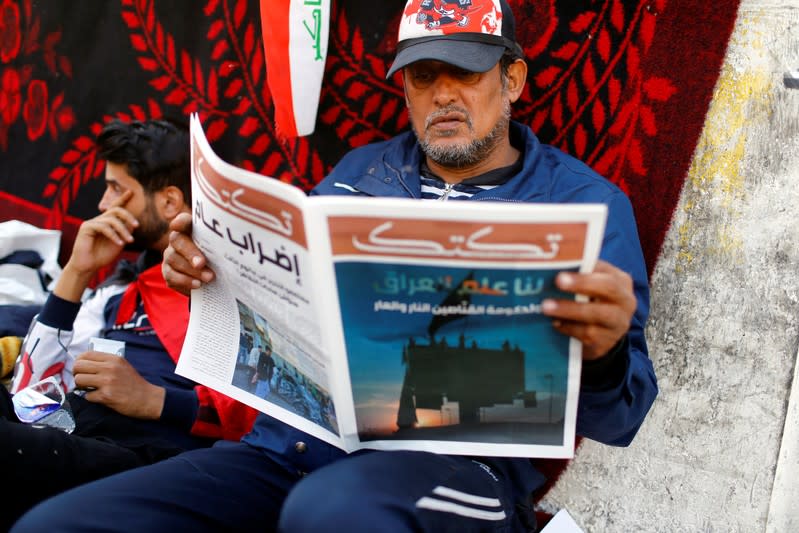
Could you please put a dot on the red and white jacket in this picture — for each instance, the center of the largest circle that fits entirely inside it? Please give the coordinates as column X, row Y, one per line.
column 151, row 319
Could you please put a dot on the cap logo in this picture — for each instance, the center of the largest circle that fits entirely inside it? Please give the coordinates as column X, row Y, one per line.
column 426, row 18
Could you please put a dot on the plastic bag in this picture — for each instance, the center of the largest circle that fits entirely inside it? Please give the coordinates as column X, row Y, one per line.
column 19, row 284
column 44, row 404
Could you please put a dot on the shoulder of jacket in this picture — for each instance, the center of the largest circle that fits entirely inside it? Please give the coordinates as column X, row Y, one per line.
column 374, row 159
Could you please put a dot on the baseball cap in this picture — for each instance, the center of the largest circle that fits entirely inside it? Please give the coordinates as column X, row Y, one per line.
column 470, row 35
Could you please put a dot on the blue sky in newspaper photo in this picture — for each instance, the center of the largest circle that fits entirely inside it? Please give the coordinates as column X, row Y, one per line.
column 493, row 336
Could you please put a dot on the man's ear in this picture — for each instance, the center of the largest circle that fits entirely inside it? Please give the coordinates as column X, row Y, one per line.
column 517, row 77
column 405, row 91
column 172, row 202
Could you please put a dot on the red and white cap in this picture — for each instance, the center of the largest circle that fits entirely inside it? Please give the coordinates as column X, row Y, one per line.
column 470, row 34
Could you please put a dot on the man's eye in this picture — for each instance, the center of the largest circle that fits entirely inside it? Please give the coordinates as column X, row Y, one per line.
column 466, row 76
column 423, row 76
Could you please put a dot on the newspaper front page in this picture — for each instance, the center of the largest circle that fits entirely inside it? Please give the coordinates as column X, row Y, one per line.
column 388, row 323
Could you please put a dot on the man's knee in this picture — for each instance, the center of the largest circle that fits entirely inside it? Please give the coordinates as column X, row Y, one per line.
column 44, row 516
column 318, row 503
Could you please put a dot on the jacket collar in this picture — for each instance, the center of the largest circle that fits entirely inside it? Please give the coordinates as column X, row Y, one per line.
column 395, row 172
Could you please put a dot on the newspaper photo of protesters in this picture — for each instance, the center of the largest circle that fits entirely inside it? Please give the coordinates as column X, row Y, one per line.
column 264, row 369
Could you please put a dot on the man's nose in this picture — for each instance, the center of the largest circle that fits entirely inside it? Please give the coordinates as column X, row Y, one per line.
column 105, row 201
column 444, row 90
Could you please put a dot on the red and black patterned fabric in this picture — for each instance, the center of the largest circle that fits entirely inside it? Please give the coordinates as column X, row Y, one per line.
column 623, row 85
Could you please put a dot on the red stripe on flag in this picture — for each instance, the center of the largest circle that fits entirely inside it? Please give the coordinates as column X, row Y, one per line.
column 275, row 28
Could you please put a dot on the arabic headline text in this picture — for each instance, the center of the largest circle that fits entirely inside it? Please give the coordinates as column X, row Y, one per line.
column 464, row 308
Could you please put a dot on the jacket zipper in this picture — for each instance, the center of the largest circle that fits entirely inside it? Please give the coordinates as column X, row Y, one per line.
column 448, row 190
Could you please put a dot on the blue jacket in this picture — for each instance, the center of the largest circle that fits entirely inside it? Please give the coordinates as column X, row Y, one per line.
column 610, row 410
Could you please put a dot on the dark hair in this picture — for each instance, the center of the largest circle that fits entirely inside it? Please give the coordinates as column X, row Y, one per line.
column 508, row 58
column 154, row 152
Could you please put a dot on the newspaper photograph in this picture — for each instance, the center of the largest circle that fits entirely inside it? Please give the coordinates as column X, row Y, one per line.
column 253, row 333
column 445, row 343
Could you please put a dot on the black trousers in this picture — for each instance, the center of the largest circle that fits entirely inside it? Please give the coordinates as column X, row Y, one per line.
column 37, row 463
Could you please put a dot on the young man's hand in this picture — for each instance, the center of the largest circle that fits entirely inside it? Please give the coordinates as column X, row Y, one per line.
column 98, row 243
column 116, row 384
column 184, row 265
column 602, row 321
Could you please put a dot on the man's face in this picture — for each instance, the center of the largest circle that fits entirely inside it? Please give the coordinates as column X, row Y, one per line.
column 152, row 226
column 459, row 117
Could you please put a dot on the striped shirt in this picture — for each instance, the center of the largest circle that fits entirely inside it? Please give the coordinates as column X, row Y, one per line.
column 434, row 188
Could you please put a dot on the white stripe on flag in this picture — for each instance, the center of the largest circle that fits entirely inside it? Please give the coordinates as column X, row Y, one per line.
column 308, row 30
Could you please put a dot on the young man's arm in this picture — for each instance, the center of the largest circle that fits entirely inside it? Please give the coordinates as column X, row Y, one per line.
column 99, row 242
column 207, row 413
column 49, row 349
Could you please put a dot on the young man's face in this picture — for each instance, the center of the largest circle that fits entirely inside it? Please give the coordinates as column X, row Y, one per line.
column 152, row 226
column 459, row 116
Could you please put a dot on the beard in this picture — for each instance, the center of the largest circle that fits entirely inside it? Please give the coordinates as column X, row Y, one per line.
column 468, row 153
column 151, row 228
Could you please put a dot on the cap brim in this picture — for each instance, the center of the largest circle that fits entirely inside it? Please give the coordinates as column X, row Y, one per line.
column 472, row 56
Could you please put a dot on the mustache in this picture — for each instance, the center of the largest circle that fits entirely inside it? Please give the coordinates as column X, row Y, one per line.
column 444, row 111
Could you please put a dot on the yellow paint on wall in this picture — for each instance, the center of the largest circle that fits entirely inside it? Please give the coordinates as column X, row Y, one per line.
column 716, row 180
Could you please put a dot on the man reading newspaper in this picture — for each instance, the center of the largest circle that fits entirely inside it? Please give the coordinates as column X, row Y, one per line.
column 462, row 69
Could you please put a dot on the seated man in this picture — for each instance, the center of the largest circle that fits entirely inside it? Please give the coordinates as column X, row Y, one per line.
column 135, row 410
column 459, row 86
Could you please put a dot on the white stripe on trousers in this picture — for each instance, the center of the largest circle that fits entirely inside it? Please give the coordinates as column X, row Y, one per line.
column 434, row 504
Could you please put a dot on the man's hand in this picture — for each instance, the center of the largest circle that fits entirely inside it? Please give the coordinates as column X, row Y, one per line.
column 101, row 239
column 99, row 242
column 184, row 264
column 602, row 321
column 118, row 385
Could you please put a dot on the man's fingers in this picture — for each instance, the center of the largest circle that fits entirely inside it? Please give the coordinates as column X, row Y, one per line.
column 180, row 275
column 184, row 266
column 86, row 373
column 597, row 285
column 175, row 262
column 599, row 313
column 113, row 229
column 178, row 281
column 184, row 246
column 121, row 214
column 91, row 361
column 122, row 199
column 116, row 224
column 180, row 241
column 87, row 381
column 604, row 318
column 596, row 340
column 183, row 257
column 181, row 223
column 606, row 284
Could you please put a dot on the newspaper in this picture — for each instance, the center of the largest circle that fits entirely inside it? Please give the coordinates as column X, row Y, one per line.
column 387, row 323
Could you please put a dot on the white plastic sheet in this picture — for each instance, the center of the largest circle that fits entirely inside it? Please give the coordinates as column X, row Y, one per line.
column 19, row 284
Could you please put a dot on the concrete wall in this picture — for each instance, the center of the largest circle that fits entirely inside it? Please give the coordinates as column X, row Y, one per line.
column 724, row 330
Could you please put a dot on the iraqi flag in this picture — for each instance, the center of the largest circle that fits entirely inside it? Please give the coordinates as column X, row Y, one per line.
column 295, row 45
